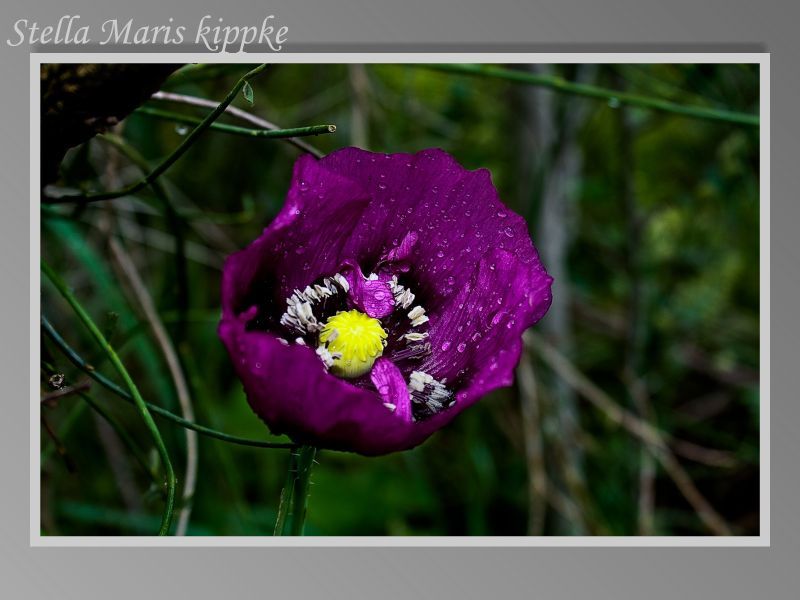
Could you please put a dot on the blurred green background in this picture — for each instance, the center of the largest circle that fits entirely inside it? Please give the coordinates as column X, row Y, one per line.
column 649, row 222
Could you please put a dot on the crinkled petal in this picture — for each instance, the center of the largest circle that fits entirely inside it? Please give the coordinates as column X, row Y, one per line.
column 455, row 215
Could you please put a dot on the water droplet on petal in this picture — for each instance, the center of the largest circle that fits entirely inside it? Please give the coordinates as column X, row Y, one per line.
column 502, row 214
column 445, row 346
column 461, row 347
column 509, row 232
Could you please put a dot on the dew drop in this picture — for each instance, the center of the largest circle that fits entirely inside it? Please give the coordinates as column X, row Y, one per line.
column 509, row 232
column 440, row 254
column 181, row 129
column 300, row 250
column 502, row 214
column 461, row 347
column 445, row 346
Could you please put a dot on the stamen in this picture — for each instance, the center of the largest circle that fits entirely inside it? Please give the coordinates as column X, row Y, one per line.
column 299, row 315
column 326, row 356
column 412, row 352
column 417, row 316
column 415, row 337
column 403, row 297
column 428, row 395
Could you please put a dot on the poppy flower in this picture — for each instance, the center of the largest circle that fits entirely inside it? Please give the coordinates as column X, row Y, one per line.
column 389, row 294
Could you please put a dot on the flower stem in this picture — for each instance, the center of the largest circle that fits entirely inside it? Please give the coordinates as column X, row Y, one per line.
column 295, row 491
column 84, row 366
column 166, row 519
column 286, row 495
column 562, row 85
column 305, row 460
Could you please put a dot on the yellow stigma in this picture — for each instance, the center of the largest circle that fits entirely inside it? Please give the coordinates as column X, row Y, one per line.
column 354, row 340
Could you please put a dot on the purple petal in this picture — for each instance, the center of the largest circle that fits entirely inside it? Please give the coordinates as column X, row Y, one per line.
column 371, row 296
column 392, row 387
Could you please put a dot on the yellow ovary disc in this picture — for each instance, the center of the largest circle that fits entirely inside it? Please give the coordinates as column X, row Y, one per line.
column 354, row 340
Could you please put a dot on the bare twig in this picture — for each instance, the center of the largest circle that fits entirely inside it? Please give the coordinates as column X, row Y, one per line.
column 635, row 324
column 66, row 391
column 240, row 114
column 534, row 452
column 145, row 301
column 652, row 436
column 359, row 120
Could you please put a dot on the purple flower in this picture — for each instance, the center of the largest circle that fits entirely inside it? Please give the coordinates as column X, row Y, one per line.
column 389, row 294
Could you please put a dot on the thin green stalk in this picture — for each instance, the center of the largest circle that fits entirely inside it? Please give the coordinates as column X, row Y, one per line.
column 87, row 368
column 234, row 129
column 614, row 97
column 305, row 460
column 55, row 279
column 187, row 143
column 285, row 503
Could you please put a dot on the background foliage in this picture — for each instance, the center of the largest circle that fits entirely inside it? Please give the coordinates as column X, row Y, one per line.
column 649, row 221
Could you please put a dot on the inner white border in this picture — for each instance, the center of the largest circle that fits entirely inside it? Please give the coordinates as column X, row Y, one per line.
column 762, row 59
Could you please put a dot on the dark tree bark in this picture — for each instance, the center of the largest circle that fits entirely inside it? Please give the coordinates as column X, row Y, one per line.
column 81, row 100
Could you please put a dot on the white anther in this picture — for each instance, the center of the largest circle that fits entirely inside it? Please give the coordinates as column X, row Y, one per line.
column 342, row 282
column 300, row 341
column 416, row 312
column 417, row 316
column 390, row 406
column 326, row 357
column 416, row 337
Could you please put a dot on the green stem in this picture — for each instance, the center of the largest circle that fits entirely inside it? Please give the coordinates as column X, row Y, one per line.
column 562, row 85
column 87, row 368
column 55, row 279
column 285, row 502
column 187, row 143
column 305, row 460
column 245, row 131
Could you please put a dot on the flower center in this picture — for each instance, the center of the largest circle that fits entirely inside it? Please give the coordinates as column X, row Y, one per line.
column 354, row 341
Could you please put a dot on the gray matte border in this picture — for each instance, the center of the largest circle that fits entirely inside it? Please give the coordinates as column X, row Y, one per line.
column 348, row 573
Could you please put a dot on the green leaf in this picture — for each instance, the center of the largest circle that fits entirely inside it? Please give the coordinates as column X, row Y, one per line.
column 247, row 92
